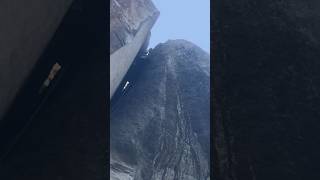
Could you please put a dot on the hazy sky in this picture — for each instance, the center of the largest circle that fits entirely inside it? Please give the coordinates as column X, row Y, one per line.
column 182, row 19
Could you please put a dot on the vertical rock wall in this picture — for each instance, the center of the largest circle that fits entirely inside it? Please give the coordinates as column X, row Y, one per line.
column 130, row 25
column 160, row 125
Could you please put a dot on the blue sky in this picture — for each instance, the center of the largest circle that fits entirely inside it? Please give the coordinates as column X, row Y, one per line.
column 182, row 19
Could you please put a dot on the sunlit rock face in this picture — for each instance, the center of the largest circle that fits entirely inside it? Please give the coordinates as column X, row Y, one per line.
column 160, row 122
column 126, row 17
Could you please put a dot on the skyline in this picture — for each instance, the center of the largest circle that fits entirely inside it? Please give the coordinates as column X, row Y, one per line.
column 190, row 22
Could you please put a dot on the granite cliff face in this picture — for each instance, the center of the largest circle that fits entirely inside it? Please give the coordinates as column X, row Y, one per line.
column 160, row 123
column 130, row 25
column 126, row 17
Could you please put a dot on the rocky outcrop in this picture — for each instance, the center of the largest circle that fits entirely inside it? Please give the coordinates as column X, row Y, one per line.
column 130, row 25
column 160, row 120
column 26, row 28
column 126, row 18
column 160, row 123
column 267, row 90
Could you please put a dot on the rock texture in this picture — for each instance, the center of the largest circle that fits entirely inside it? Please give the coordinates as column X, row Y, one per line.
column 160, row 124
column 130, row 25
column 267, row 90
column 126, row 17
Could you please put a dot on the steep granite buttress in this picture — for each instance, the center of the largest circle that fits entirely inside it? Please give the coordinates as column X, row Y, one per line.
column 130, row 25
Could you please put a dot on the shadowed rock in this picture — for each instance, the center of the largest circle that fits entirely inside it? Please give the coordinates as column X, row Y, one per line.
column 267, row 125
column 26, row 29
